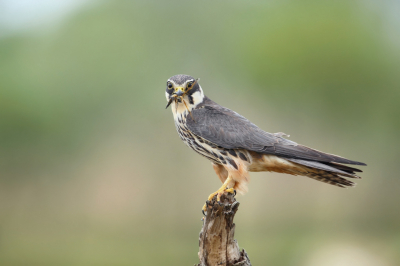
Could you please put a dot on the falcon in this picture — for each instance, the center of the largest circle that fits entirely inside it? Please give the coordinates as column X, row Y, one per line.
column 235, row 146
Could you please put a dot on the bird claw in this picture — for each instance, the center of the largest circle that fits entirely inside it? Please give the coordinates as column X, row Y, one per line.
column 230, row 190
column 205, row 206
column 219, row 193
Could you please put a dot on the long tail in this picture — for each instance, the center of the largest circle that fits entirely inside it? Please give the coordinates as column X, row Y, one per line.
column 327, row 172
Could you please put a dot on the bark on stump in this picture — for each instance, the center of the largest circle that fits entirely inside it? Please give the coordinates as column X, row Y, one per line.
column 217, row 243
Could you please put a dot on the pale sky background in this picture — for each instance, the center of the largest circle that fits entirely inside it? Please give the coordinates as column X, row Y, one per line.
column 22, row 15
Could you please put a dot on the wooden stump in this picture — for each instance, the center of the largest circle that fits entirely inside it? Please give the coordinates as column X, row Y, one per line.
column 217, row 243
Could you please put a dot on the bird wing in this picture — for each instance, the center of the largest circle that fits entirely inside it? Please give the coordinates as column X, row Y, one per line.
column 228, row 129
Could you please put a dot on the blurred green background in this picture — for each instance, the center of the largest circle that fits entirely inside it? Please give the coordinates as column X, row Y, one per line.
column 92, row 171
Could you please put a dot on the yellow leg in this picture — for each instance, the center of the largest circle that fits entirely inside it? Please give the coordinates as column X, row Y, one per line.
column 221, row 191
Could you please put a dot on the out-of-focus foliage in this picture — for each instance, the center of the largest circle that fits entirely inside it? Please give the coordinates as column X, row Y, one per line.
column 92, row 171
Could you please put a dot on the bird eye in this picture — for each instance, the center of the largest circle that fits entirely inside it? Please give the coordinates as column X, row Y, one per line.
column 189, row 85
column 169, row 84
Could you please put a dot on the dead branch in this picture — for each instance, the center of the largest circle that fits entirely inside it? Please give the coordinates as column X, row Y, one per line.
column 216, row 240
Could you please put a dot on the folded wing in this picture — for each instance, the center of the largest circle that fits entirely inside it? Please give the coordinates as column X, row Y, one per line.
column 228, row 129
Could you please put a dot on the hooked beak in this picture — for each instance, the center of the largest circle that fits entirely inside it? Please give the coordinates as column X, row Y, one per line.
column 179, row 92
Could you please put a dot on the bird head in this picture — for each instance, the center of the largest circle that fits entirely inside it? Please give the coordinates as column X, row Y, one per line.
column 185, row 90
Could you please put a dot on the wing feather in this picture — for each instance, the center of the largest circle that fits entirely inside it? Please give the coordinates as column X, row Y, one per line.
column 228, row 129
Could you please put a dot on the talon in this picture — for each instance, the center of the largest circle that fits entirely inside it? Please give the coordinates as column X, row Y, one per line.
column 220, row 192
column 204, row 213
column 231, row 190
column 204, row 209
column 234, row 192
column 212, row 196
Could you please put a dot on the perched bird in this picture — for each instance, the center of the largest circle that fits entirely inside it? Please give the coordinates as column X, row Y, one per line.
column 235, row 146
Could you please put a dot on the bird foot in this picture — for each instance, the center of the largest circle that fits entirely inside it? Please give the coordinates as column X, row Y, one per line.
column 219, row 193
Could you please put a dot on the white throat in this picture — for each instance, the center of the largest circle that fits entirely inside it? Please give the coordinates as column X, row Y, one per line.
column 180, row 110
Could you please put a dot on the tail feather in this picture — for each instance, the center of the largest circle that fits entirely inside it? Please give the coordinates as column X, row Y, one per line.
column 330, row 178
column 327, row 172
column 334, row 168
column 345, row 168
